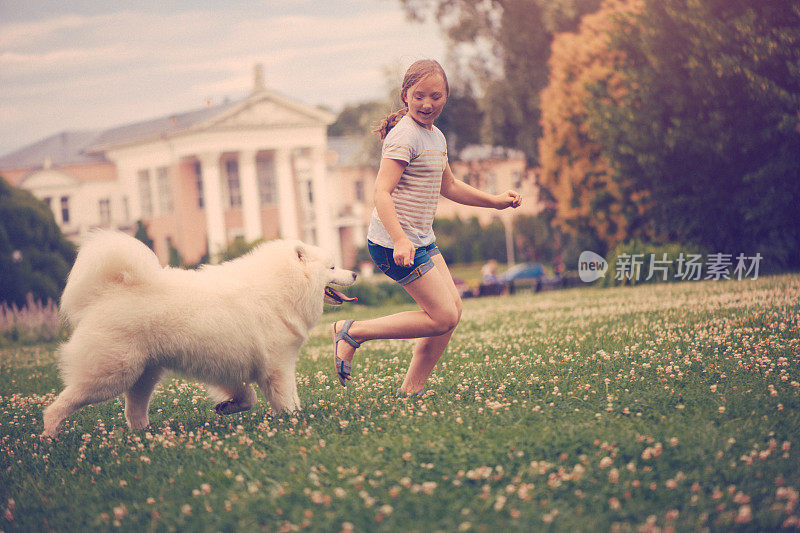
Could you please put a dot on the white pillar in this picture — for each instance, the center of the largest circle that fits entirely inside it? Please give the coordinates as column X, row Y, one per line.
column 251, row 202
column 212, row 205
column 327, row 236
column 287, row 203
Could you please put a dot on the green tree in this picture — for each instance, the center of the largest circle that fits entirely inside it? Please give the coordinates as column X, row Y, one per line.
column 468, row 242
column 239, row 247
column 708, row 128
column 142, row 235
column 357, row 119
column 461, row 119
column 35, row 257
column 538, row 239
column 592, row 202
column 510, row 76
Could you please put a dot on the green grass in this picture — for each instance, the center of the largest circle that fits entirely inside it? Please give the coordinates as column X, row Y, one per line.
column 589, row 409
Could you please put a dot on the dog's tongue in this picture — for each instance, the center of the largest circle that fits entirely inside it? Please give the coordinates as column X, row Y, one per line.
column 343, row 297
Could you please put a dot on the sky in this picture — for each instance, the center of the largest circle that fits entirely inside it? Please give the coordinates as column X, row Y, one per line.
column 91, row 64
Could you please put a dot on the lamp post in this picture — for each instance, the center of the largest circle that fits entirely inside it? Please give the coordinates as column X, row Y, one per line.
column 508, row 225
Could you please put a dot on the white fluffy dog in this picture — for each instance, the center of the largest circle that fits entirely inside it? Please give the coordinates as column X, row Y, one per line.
column 227, row 325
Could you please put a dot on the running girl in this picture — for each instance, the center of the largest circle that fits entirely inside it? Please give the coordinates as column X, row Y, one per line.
column 413, row 172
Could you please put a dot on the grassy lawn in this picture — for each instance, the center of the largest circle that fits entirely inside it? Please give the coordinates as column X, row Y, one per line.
column 666, row 406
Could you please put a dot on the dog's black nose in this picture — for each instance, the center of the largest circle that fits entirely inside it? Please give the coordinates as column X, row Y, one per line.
column 354, row 276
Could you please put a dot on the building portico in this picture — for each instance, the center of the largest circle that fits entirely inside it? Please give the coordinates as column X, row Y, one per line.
column 257, row 168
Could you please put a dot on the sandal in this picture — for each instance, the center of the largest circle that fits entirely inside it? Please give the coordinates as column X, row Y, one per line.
column 341, row 366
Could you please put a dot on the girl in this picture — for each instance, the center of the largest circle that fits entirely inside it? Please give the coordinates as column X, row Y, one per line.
column 413, row 173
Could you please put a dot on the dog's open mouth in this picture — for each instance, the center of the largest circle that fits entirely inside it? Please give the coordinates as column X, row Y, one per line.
column 334, row 297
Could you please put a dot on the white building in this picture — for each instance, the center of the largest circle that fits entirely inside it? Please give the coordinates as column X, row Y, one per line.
column 254, row 168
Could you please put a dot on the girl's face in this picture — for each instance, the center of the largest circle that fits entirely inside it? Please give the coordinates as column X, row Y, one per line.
column 426, row 100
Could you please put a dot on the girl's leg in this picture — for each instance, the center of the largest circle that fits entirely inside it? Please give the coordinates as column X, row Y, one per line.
column 439, row 315
column 428, row 350
column 436, row 294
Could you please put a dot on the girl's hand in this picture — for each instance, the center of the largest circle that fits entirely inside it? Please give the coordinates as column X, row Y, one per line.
column 404, row 253
column 508, row 199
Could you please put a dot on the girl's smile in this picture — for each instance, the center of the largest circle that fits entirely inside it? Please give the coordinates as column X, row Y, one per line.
column 426, row 100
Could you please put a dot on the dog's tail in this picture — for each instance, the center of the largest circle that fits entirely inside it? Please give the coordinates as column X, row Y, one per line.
column 105, row 260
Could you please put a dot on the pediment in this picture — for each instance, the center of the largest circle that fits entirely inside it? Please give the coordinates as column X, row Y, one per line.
column 48, row 179
column 265, row 114
column 268, row 112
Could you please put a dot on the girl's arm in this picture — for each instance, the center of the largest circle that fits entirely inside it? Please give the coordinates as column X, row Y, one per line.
column 461, row 193
column 389, row 175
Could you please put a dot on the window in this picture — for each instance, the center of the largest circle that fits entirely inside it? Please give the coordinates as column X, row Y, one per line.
column 234, row 193
column 65, row 209
column 164, row 191
column 310, row 188
column 145, row 194
column 198, row 171
column 265, row 173
column 104, row 206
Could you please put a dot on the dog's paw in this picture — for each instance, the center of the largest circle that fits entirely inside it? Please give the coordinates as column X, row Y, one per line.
column 138, row 424
column 222, row 408
column 229, row 407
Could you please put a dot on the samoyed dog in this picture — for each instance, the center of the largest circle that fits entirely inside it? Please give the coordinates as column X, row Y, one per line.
column 225, row 325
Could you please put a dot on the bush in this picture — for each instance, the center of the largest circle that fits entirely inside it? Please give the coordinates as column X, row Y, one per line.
column 379, row 293
column 35, row 322
column 469, row 242
column 238, row 247
column 35, row 258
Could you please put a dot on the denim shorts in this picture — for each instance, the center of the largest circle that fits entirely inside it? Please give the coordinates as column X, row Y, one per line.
column 384, row 259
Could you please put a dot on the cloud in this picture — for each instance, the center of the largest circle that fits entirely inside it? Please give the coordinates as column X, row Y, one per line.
column 22, row 34
column 108, row 66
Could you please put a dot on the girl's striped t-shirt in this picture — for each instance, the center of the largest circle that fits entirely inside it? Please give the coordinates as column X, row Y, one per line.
column 417, row 193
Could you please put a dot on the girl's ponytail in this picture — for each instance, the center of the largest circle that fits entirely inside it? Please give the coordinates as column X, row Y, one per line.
column 389, row 122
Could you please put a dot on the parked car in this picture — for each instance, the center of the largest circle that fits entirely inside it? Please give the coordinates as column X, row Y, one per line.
column 523, row 271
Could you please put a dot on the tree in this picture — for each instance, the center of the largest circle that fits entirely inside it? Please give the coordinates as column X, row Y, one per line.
column 592, row 203
column 539, row 240
column 142, row 235
column 517, row 35
column 707, row 131
column 35, row 258
column 357, row 119
column 461, row 119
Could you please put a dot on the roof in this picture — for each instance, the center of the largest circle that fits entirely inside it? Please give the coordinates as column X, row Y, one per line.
column 158, row 127
column 61, row 149
column 77, row 147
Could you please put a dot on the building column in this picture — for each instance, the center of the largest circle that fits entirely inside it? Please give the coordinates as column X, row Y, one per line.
column 251, row 201
column 212, row 204
column 287, row 202
column 327, row 236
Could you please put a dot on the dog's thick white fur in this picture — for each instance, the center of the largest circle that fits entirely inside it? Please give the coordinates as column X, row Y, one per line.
column 226, row 325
